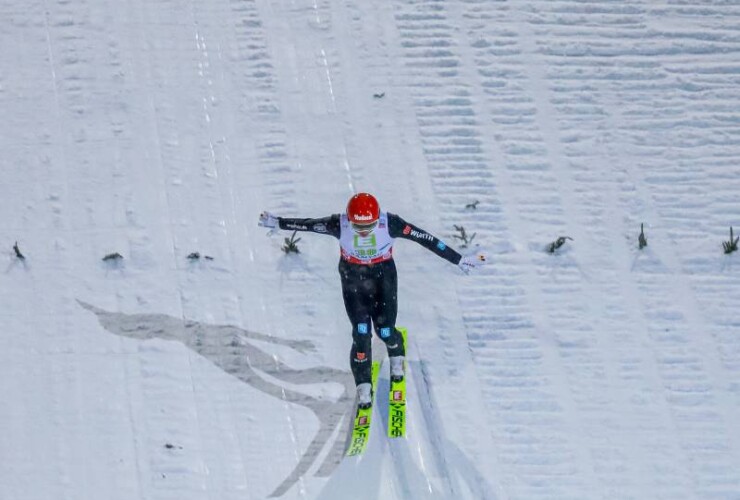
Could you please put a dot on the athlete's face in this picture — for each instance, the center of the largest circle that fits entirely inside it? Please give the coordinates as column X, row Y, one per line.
column 364, row 230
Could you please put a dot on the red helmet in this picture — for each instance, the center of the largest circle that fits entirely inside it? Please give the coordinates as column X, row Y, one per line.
column 363, row 209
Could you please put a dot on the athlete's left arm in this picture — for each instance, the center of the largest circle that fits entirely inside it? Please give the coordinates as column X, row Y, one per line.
column 399, row 228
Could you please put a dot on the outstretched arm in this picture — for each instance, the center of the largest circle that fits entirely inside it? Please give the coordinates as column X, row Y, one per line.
column 399, row 228
column 323, row 225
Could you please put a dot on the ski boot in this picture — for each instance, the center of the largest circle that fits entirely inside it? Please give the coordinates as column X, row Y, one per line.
column 364, row 396
column 396, row 368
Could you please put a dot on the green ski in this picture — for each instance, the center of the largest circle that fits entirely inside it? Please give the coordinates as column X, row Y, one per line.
column 397, row 402
column 361, row 427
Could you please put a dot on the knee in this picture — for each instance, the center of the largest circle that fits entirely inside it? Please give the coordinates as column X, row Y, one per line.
column 393, row 340
column 387, row 333
column 361, row 334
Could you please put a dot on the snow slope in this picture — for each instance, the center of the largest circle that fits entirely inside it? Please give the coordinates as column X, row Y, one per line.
column 159, row 129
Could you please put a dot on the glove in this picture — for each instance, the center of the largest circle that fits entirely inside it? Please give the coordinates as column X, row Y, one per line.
column 268, row 220
column 469, row 262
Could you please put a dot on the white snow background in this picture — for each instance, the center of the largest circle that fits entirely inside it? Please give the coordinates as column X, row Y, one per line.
column 160, row 128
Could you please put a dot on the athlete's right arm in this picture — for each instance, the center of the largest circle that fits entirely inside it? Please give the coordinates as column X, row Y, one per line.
column 323, row 225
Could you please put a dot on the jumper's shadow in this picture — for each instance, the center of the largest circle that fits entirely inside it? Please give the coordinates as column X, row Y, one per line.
column 228, row 347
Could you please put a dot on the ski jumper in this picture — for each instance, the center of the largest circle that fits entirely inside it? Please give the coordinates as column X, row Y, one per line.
column 369, row 279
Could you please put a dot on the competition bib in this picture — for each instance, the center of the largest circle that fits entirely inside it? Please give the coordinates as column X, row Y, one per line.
column 371, row 249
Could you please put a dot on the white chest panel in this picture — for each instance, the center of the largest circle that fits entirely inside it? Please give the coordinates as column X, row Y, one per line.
column 370, row 249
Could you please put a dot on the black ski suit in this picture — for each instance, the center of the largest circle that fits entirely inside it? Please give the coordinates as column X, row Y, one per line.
column 370, row 290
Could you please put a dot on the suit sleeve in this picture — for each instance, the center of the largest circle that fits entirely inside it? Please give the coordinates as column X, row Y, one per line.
column 323, row 225
column 399, row 228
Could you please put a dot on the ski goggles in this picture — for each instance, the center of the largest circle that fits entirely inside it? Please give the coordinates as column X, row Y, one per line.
column 364, row 228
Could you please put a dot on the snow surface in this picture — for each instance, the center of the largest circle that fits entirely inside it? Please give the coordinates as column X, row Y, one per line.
column 156, row 129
